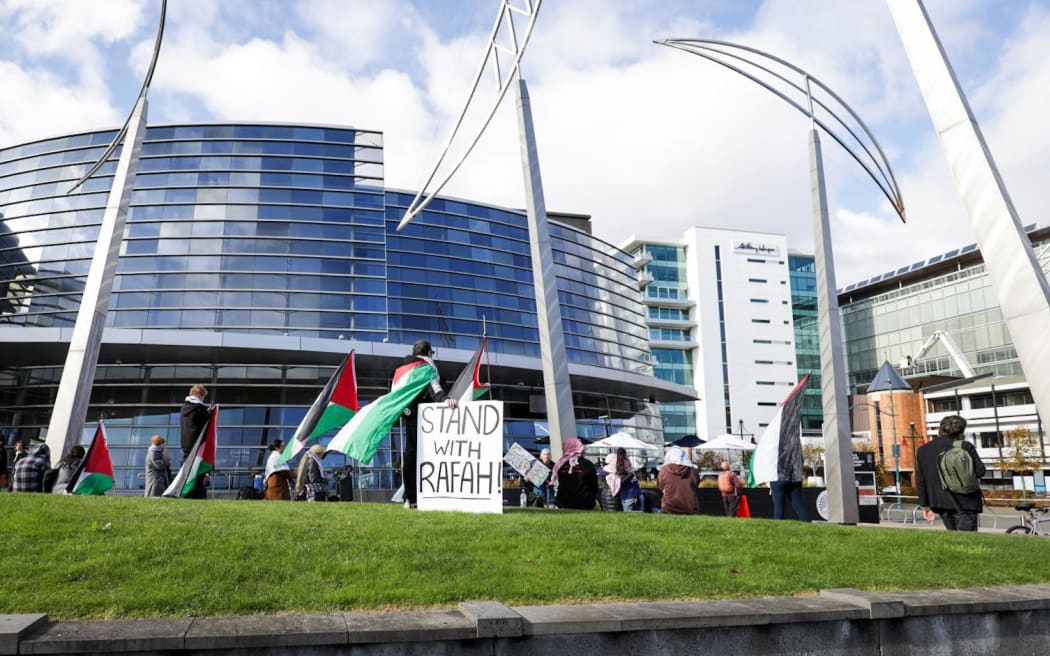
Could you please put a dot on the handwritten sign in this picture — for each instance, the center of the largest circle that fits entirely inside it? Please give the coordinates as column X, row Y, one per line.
column 460, row 463
column 526, row 464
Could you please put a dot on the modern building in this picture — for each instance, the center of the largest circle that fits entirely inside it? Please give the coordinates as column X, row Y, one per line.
column 893, row 317
column 720, row 309
column 256, row 256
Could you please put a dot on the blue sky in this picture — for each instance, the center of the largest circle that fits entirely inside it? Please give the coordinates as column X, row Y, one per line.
column 647, row 140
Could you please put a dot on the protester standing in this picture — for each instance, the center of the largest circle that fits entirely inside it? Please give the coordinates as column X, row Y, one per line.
column 958, row 511
column 677, row 481
column 29, row 470
column 545, row 493
column 278, row 475
column 158, row 468
column 421, row 351
column 194, row 417
column 310, row 482
column 730, row 486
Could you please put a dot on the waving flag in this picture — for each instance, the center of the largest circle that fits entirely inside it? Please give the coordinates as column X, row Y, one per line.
column 778, row 456
column 335, row 406
column 468, row 387
column 200, row 461
column 95, row 473
column 361, row 436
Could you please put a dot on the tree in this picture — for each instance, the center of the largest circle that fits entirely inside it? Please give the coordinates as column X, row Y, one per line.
column 1021, row 454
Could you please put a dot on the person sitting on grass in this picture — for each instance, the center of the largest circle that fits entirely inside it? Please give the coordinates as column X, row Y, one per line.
column 575, row 477
column 677, row 480
column 620, row 489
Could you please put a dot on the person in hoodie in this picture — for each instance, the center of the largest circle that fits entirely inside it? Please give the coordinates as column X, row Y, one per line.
column 677, row 481
column 30, row 470
column 195, row 413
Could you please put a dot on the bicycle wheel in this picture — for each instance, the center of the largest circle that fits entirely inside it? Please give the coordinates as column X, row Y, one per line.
column 1019, row 530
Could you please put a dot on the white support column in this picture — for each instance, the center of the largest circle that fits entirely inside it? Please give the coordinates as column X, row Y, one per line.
column 1021, row 287
column 561, row 418
column 74, row 390
column 838, row 446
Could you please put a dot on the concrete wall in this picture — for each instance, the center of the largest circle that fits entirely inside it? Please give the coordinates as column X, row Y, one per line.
column 978, row 621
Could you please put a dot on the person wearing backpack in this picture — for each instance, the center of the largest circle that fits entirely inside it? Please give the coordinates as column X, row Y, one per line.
column 949, row 472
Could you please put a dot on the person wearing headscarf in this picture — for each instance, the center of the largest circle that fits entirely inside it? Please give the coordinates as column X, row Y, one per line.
column 677, row 480
column 158, row 468
column 619, row 489
column 310, row 483
column 575, row 477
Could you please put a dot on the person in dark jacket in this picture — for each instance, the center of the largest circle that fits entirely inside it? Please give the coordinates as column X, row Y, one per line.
column 959, row 512
column 677, row 480
column 576, row 477
column 421, row 350
column 619, row 484
column 195, row 413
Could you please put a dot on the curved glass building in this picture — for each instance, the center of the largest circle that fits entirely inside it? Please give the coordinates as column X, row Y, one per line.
column 256, row 256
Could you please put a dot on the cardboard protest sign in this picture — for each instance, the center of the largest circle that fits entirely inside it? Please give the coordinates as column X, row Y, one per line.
column 460, row 465
column 523, row 462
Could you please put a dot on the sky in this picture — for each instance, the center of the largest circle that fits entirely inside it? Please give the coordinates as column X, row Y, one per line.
column 646, row 139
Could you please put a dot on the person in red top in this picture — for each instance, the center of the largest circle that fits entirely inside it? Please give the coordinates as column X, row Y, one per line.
column 730, row 486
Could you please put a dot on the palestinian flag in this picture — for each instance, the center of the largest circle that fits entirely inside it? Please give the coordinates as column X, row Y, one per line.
column 361, row 436
column 468, row 387
column 332, row 409
column 201, row 460
column 778, row 456
column 95, row 473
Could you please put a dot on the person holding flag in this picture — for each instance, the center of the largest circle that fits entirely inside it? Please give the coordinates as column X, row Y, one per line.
column 194, row 417
column 422, row 355
column 777, row 458
column 94, row 474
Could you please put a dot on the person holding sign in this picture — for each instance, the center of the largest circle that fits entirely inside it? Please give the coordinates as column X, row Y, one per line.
column 421, row 351
column 576, row 478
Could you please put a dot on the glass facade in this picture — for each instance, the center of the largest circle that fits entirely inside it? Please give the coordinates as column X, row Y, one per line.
column 671, row 330
column 803, row 275
column 952, row 294
column 287, row 233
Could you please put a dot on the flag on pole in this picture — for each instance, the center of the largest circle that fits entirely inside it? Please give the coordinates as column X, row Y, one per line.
column 778, row 455
column 361, row 436
column 200, row 461
column 335, row 406
column 468, row 387
column 94, row 475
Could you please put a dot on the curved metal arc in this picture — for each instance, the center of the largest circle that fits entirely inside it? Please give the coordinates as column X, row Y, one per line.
column 422, row 200
column 893, row 194
column 881, row 163
column 142, row 94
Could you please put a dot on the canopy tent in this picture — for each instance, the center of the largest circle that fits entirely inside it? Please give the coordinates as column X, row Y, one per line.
column 726, row 443
column 689, row 441
column 623, row 440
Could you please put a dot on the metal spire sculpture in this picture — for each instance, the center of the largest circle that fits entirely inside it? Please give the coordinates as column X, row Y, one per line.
column 511, row 46
column 775, row 75
column 78, row 374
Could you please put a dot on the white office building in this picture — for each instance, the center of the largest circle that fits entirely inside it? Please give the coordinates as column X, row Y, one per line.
column 720, row 317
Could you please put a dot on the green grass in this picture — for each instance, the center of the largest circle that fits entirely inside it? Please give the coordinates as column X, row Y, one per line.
column 94, row 557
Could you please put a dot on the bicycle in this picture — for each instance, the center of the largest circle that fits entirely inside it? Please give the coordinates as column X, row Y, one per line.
column 1031, row 525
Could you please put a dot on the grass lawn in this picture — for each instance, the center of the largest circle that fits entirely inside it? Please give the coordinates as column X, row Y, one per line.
column 94, row 557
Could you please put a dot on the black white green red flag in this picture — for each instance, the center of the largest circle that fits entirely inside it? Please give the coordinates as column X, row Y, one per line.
column 778, row 455
column 198, row 463
column 468, row 387
column 361, row 436
column 95, row 473
column 335, row 406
